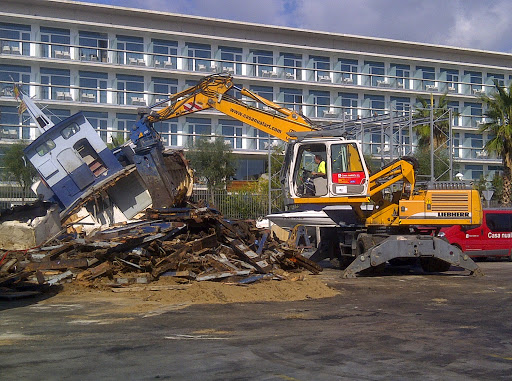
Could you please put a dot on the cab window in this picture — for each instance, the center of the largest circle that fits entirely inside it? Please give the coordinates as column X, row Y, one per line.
column 70, row 130
column 310, row 166
column 43, row 148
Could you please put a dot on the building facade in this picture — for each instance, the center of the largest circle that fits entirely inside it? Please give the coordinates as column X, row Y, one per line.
column 108, row 61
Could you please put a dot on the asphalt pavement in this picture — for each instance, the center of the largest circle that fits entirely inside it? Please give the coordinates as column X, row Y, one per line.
column 398, row 326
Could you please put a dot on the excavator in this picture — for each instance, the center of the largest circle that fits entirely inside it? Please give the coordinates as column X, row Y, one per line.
column 387, row 205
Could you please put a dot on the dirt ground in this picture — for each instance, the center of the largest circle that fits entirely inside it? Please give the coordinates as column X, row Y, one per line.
column 167, row 294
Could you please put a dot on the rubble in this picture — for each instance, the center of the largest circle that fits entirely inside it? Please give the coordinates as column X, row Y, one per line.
column 194, row 244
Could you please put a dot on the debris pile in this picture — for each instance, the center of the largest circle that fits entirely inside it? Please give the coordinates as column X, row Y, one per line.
column 190, row 244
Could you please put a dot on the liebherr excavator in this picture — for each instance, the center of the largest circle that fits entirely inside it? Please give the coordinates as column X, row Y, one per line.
column 386, row 230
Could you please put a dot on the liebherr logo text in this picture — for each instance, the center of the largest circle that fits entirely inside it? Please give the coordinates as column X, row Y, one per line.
column 252, row 119
column 453, row 214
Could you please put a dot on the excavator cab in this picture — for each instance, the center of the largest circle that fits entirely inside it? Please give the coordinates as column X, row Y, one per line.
column 330, row 168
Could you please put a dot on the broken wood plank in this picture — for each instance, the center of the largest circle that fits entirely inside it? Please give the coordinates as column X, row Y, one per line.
column 222, row 275
column 57, row 278
column 60, row 264
column 181, row 274
column 247, row 254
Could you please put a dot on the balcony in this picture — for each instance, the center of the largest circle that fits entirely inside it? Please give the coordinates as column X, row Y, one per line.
column 431, row 88
column 88, row 97
column 330, row 114
column 64, row 96
column 268, row 74
column 62, row 54
column 138, row 101
column 383, row 83
column 324, row 78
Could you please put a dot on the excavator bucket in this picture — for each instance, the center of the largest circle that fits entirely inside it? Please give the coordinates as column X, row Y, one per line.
column 434, row 254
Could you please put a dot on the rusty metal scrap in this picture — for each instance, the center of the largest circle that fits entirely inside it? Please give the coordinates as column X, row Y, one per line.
column 188, row 244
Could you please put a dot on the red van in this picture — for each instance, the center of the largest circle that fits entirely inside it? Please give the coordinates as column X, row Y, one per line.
column 491, row 239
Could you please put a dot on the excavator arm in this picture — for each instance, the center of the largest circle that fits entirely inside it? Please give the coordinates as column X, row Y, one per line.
column 211, row 92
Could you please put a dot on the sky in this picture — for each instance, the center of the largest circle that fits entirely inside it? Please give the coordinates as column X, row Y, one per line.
column 476, row 24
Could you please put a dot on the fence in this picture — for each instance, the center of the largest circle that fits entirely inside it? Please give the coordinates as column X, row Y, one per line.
column 11, row 195
column 240, row 204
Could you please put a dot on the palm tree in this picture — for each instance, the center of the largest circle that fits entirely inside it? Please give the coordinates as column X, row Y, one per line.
column 499, row 126
column 441, row 122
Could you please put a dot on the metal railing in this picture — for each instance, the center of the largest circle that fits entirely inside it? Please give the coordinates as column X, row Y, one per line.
column 12, row 195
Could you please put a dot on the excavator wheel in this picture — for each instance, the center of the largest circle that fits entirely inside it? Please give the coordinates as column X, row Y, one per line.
column 434, row 265
column 364, row 242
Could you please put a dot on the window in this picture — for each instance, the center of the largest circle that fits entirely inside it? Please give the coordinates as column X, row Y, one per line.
column 376, row 71
column 15, row 39
column 475, row 143
column 345, row 158
column 197, row 128
column 130, row 50
column 93, row 46
column 199, row 57
column 500, row 78
column 499, row 222
column 321, row 67
column 456, row 145
column 55, row 43
column 168, row 132
column 348, row 69
column 166, row 53
column 45, row 147
column 250, row 169
column 452, row 80
column 10, row 74
column 474, row 172
column 454, row 105
column 231, row 60
column 10, row 122
column 93, row 86
column 130, row 90
column 70, row 130
column 402, row 75
column 320, row 103
column 263, row 61
column 292, row 99
column 304, row 184
column 58, row 115
column 261, row 141
column 401, row 104
column 163, row 88
column 292, row 65
column 349, row 104
column 472, row 114
column 232, row 132
column 376, row 104
column 474, row 78
column 429, row 78
column 123, row 126
column 99, row 120
column 55, row 84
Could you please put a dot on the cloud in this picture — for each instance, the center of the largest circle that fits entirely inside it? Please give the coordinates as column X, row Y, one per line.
column 465, row 23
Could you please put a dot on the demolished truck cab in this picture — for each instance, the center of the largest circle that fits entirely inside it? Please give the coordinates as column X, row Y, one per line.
column 70, row 157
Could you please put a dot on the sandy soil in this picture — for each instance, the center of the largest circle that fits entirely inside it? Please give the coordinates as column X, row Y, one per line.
column 155, row 298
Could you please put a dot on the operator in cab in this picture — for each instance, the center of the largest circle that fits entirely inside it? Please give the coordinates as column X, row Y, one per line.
column 320, row 171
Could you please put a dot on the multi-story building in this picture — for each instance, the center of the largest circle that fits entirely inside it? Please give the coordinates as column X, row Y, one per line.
column 108, row 61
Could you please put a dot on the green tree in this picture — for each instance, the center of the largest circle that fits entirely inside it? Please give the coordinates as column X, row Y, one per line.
column 214, row 161
column 16, row 168
column 499, row 126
